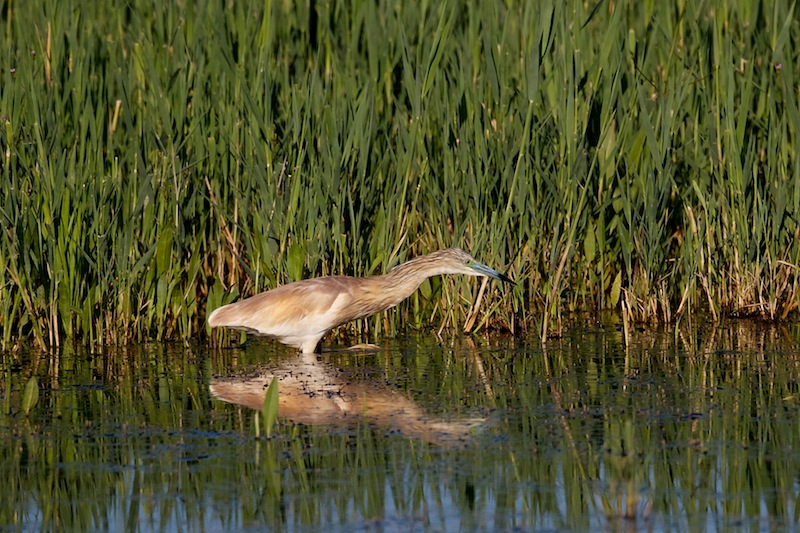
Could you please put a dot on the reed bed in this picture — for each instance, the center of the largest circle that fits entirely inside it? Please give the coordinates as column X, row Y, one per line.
column 160, row 160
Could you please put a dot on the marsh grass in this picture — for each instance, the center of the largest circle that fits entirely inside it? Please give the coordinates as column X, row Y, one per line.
column 161, row 160
column 269, row 411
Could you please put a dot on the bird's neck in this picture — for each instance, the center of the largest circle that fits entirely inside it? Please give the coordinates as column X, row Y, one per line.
column 401, row 282
column 378, row 293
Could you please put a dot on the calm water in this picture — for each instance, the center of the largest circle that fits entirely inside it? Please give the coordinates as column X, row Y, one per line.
column 694, row 428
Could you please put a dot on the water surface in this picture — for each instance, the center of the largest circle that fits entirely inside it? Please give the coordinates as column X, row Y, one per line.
column 688, row 428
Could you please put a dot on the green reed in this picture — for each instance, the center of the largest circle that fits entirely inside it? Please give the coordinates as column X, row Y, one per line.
column 160, row 160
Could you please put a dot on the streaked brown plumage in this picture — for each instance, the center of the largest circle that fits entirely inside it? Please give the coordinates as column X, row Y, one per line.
column 299, row 314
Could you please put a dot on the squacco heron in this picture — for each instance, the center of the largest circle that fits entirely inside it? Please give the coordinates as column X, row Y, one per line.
column 299, row 314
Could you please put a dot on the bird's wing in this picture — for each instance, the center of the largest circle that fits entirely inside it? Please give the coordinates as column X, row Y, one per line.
column 296, row 309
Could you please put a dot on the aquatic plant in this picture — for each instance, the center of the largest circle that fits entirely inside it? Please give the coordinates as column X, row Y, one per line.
column 160, row 160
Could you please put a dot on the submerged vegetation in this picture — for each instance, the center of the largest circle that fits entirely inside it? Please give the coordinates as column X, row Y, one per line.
column 159, row 160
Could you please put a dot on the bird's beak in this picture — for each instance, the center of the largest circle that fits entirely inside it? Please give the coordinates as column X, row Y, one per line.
column 484, row 270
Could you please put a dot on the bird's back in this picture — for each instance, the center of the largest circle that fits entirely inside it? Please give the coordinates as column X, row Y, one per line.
column 296, row 314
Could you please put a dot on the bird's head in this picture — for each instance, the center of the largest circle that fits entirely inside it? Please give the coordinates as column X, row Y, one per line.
column 457, row 261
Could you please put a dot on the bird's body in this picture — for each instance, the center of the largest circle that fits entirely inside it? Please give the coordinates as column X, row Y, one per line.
column 299, row 314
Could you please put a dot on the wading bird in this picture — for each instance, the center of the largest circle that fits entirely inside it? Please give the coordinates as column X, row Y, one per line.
column 299, row 314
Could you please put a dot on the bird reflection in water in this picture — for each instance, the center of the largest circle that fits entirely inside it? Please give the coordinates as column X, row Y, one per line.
column 313, row 392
